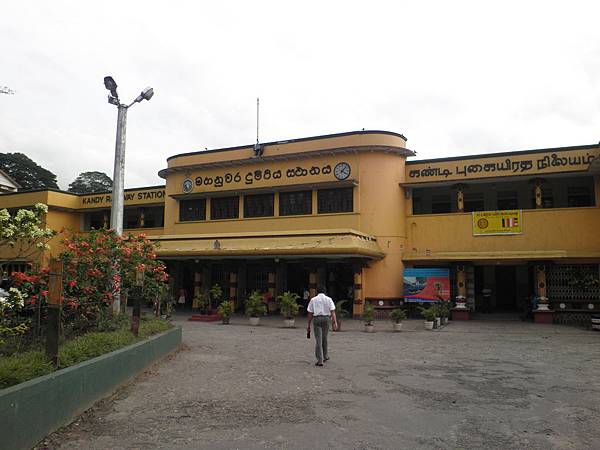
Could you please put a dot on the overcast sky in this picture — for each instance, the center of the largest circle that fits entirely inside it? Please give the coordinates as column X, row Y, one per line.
column 454, row 77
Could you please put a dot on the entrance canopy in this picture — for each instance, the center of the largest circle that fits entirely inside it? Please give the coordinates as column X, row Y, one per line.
column 347, row 243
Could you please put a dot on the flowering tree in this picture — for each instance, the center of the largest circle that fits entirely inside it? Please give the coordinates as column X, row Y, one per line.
column 23, row 235
column 94, row 263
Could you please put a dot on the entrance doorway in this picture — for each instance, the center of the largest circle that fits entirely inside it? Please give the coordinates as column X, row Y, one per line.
column 502, row 288
column 506, row 289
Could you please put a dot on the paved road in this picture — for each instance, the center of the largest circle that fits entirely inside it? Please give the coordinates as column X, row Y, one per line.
column 492, row 385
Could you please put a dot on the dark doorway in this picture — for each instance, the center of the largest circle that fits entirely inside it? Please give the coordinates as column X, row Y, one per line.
column 297, row 282
column 506, row 288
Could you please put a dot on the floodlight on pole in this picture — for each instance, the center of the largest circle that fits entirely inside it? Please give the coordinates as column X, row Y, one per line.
column 118, row 192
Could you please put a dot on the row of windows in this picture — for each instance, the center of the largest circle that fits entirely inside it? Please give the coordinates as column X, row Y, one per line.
column 133, row 217
column 263, row 205
column 427, row 201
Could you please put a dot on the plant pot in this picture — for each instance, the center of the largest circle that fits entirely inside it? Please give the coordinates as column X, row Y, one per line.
column 225, row 320
column 289, row 323
column 596, row 322
column 429, row 325
column 370, row 328
column 397, row 326
column 254, row 321
column 438, row 322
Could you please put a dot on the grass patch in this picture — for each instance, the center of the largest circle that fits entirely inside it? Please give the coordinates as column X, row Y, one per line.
column 21, row 367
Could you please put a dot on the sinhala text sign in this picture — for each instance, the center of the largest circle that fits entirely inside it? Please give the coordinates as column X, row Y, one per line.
column 490, row 223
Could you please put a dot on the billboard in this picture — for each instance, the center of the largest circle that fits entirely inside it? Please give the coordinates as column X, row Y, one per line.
column 490, row 223
column 426, row 285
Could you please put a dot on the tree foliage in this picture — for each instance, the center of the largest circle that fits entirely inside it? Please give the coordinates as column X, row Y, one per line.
column 90, row 182
column 27, row 172
column 23, row 235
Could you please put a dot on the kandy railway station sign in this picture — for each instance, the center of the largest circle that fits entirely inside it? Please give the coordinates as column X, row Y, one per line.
column 524, row 164
column 266, row 175
column 138, row 197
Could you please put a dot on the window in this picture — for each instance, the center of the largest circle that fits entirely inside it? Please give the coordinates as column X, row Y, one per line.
column 96, row 220
column 474, row 201
column 578, row 196
column 295, row 203
column 441, row 204
column 132, row 217
column 418, row 206
column 334, row 200
column 153, row 217
column 224, row 208
column 261, row 205
column 192, row 210
column 507, row 200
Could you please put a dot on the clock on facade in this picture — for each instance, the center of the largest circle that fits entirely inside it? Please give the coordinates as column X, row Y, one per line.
column 341, row 170
column 188, row 185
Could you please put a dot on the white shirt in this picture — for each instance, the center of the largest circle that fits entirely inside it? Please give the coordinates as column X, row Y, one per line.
column 321, row 305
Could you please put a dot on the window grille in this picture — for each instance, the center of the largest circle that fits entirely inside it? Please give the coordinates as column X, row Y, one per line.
column 261, row 205
column 192, row 210
column 335, row 200
column 224, row 208
column 295, row 203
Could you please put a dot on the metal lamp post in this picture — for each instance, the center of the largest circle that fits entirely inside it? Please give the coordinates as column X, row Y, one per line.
column 118, row 192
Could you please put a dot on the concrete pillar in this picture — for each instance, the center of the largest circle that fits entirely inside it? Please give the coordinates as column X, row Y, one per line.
column 460, row 311
column 197, row 287
column 543, row 314
column 358, row 300
column 460, row 199
column 537, row 190
column 312, row 282
column 233, row 289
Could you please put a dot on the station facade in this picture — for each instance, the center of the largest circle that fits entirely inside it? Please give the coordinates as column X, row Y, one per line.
column 351, row 211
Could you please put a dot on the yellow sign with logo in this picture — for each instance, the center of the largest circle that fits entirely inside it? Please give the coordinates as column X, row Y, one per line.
column 486, row 223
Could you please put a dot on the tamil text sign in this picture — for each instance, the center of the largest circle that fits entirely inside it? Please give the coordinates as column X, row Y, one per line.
column 486, row 223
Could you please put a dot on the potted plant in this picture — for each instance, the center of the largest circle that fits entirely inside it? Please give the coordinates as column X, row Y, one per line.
column 340, row 313
column 437, row 318
column 255, row 307
column 200, row 301
column 397, row 316
column 445, row 313
column 429, row 315
column 289, row 308
column 368, row 317
column 214, row 295
column 224, row 310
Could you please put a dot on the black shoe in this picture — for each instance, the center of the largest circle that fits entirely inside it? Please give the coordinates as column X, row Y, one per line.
column 326, row 359
column 319, row 364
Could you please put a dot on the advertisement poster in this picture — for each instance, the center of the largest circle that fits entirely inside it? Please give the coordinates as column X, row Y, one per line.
column 486, row 223
column 426, row 285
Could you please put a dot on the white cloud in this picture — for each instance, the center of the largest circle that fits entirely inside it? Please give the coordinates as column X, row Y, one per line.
column 454, row 77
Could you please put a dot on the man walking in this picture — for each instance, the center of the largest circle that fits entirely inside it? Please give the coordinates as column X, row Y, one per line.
column 321, row 310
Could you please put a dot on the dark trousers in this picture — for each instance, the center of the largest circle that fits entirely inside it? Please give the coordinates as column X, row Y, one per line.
column 321, row 328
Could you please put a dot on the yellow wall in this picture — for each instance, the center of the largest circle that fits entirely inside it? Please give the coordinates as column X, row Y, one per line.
column 547, row 234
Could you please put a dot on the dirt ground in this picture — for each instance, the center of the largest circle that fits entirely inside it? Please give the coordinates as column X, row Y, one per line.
column 470, row 385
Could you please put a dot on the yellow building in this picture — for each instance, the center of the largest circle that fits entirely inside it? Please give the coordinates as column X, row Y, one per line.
column 350, row 212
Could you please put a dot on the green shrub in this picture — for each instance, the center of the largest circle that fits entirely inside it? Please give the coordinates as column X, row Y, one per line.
column 21, row 367
column 368, row 315
column 428, row 314
column 254, row 305
column 398, row 315
column 225, row 309
column 340, row 312
column 289, row 305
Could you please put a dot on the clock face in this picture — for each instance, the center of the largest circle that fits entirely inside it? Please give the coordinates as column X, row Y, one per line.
column 341, row 170
column 187, row 185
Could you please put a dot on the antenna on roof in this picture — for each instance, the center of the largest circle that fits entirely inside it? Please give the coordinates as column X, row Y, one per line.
column 258, row 147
